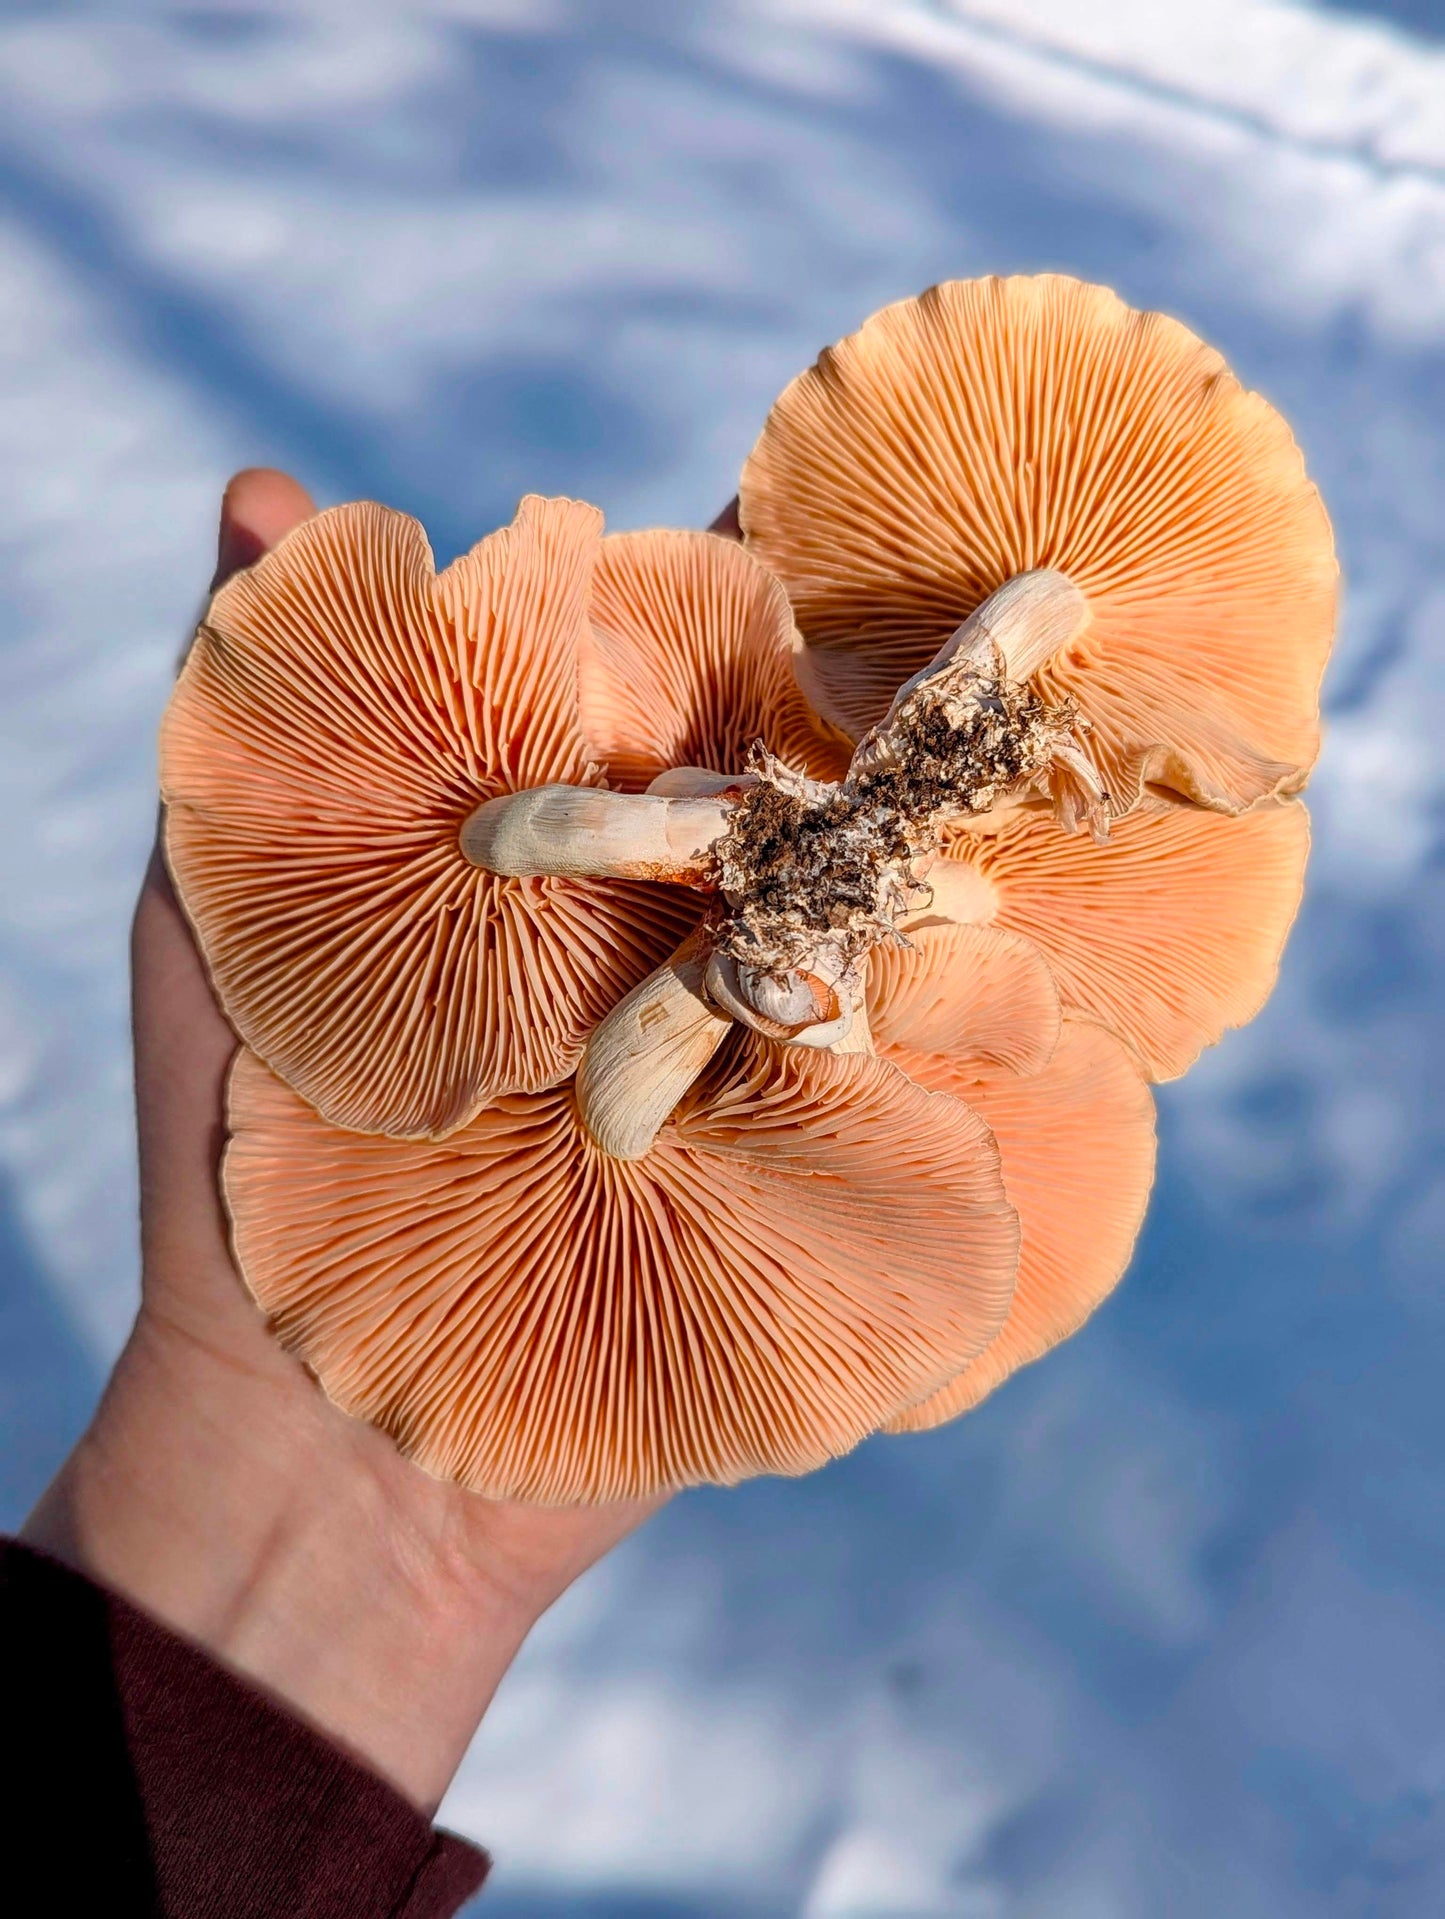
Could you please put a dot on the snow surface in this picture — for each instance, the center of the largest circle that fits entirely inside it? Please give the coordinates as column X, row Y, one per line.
column 1159, row 1630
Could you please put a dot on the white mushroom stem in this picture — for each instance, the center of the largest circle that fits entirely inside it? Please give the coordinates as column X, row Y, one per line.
column 801, row 1008
column 696, row 782
column 793, row 1000
column 578, row 832
column 1029, row 619
column 646, row 1053
column 1078, row 792
column 644, row 1056
column 833, row 1035
column 723, row 988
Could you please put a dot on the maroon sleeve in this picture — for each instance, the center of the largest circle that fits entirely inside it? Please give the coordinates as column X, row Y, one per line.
column 147, row 1780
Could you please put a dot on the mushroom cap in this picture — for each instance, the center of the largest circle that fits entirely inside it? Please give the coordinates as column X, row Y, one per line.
column 972, row 992
column 812, row 1243
column 1077, row 1145
column 1168, row 933
column 994, row 426
column 693, row 660
column 342, row 711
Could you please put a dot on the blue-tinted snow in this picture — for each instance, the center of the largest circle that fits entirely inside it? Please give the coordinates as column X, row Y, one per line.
column 1161, row 1629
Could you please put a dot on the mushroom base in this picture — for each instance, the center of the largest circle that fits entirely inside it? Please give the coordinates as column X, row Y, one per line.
column 808, row 869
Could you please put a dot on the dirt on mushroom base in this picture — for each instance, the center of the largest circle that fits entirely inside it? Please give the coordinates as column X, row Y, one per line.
column 805, row 865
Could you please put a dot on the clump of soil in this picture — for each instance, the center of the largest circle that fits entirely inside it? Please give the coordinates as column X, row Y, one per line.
column 806, row 867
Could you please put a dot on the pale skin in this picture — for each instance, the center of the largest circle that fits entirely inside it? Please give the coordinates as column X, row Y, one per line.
column 219, row 1490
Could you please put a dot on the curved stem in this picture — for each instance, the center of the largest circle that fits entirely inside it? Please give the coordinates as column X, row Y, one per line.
column 1015, row 630
column 647, row 1052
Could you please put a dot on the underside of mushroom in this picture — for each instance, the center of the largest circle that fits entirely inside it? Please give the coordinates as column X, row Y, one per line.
column 994, row 425
column 546, row 892
column 809, row 876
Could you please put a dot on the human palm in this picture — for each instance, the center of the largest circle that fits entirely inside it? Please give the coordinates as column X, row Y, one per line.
column 219, row 1489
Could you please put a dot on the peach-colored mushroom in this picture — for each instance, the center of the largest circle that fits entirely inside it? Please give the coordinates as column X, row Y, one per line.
column 342, row 712
column 811, row 873
column 691, row 663
column 996, row 426
column 810, row 1244
column 830, row 1001
column 971, row 991
column 971, row 1011
column 1076, row 1141
column 1168, row 934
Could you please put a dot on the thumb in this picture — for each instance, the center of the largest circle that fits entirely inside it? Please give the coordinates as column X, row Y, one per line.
column 259, row 507
column 183, row 1045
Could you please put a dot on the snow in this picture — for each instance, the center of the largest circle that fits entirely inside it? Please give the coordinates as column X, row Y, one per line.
column 1160, row 1628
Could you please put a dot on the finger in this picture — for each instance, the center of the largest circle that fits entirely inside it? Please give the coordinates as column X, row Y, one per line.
column 727, row 522
column 259, row 507
column 183, row 1049
column 183, row 1045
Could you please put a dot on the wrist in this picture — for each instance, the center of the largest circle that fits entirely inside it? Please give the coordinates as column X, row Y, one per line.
column 229, row 1500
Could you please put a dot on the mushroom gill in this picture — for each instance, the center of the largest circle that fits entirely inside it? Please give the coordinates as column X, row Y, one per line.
column 651, row 1077
column 810, row 1243
column 1168, row 934
column 1076, row 1143
column 342, row 710
column 972, row 991
column 995, row 426
column 691, row 663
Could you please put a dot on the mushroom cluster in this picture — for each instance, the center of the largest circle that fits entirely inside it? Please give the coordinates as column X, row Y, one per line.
column 697, row 999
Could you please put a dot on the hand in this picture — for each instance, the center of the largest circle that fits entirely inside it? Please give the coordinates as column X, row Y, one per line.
column 219, row 1490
